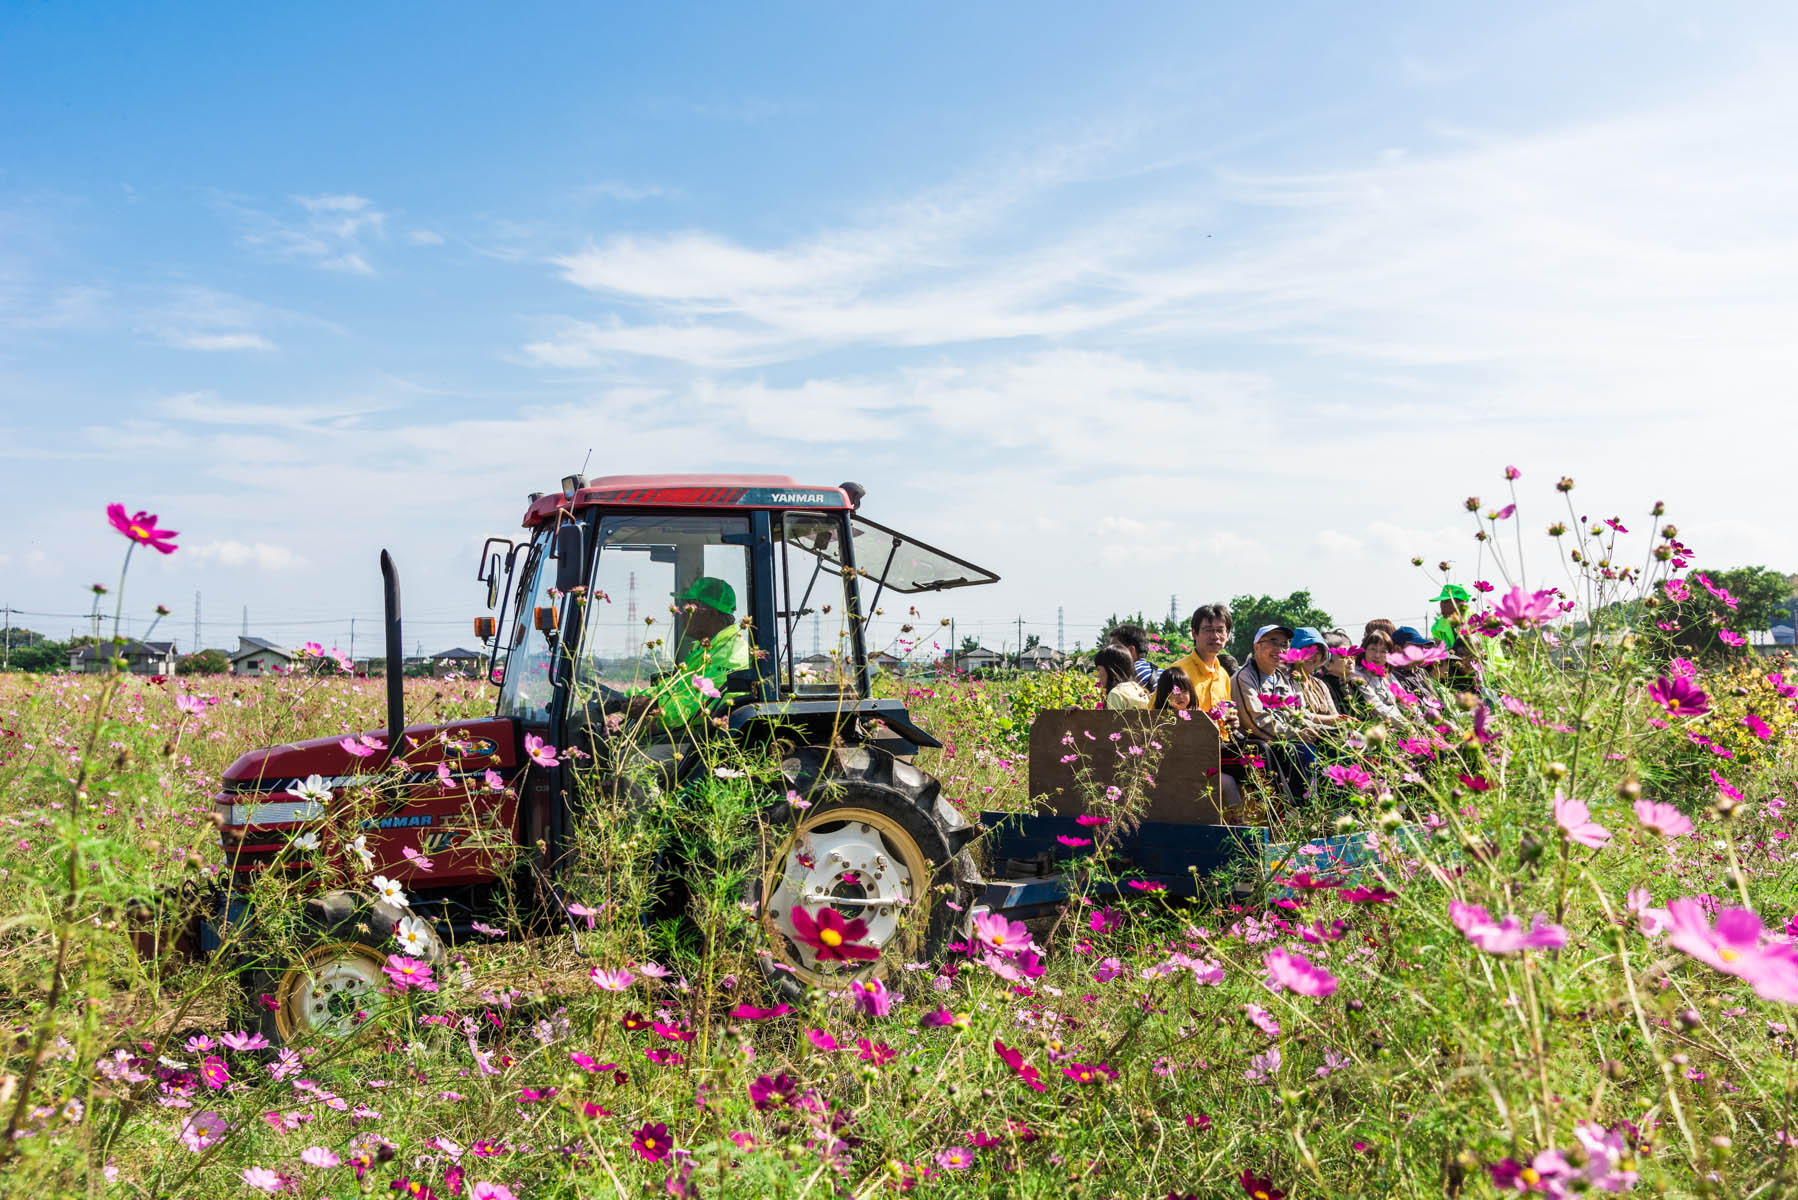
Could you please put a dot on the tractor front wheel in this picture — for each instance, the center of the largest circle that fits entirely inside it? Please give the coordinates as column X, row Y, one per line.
column 875, row 845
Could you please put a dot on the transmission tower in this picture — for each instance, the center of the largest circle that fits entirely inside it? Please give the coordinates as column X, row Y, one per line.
column 1060, row 636
column 196, row 646
column 817, row 634
column 633, row 643
column 1173, row 608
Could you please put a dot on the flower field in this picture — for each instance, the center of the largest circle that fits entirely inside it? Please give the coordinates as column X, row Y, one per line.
column 1578, row 978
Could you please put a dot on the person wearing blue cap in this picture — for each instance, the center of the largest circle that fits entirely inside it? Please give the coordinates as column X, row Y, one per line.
column 1271, row 710
column 1319, row 712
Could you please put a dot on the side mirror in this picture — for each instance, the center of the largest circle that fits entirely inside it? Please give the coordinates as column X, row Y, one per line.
column 485, row 628
column 544, row 619
column 493, row 582
column 569, row 574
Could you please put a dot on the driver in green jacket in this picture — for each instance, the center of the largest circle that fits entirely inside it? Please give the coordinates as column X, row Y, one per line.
column 711, row 648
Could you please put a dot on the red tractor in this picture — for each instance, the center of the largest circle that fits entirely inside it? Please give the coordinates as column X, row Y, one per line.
column 759, row 559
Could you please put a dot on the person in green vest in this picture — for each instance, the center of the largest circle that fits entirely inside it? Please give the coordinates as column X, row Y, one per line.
column 1452, row 603
column 711, row 649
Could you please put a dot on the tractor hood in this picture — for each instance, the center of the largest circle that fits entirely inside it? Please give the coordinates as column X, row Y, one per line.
column 468, row 748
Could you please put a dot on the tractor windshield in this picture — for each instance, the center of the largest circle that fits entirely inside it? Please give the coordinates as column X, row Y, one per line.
column 654, row 573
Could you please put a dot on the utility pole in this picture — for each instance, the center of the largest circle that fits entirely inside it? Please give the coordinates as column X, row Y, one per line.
column 6, row 652
column 1060, row 633
column 352, row 641
column 954, row 646
column 1020, row 641
column 246, row 620
column 196, row 644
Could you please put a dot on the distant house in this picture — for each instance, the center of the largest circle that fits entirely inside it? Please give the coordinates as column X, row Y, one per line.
column 977, row 659
column 891, row 664
column 141, row 658
column 1040, row 658
column 257, row 656
column 467, row 662
column 1782, row 635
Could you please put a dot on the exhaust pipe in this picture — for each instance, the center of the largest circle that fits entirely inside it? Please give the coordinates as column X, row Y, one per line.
column 396, row 680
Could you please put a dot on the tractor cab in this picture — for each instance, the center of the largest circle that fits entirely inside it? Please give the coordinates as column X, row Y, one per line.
column 630, row 583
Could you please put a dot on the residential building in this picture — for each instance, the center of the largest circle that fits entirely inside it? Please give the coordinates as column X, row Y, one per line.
column 258, row 656
column 141, row 658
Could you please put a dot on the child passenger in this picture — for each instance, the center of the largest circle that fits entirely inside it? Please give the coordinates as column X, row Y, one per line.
column 1117, row 680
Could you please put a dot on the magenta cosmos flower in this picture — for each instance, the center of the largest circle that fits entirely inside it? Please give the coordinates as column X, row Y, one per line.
column 540, row 751
column 651, row 1142
column 408, row 973
column 1679, row 696
column 871, row 997
column 1575, row 820
column 1507, row 936
column 832, row 938
column 1663, row 819
column 140, row 527
column 1298, row 974
column 1734, row 947
column 1015, row 1060
column 773, row 1091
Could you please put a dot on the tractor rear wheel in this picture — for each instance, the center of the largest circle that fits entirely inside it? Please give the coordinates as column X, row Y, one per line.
column 336, row 979
column 871, row 840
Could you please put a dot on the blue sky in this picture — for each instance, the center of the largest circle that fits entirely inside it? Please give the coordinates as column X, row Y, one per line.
column 1167, row 300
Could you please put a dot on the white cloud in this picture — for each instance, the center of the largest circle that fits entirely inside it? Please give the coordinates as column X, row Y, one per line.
column 222, row 341
column 264, row 556
column 424, row 237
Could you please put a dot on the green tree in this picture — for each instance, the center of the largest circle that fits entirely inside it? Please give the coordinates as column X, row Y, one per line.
column 206, row 662
column 969, row 644
column 1249, row 613
column 1761, row 599
column 35, row 653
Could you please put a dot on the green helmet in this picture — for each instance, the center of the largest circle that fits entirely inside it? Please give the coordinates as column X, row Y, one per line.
column 1452, row 591
column 713, row 593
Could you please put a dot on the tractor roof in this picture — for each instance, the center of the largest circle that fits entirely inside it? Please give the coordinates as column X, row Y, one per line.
column 690, row 491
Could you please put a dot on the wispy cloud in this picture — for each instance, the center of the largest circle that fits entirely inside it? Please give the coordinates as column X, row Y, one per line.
column 264, row 556
column 199, row 318
column 331, row 232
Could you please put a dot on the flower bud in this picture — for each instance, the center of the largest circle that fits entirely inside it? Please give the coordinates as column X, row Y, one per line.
column 1566, row 484
column 1555, row 770
column 1512, row 473
column 1417, row 562
column 1659, row 508
column 1529, row 849
column 1630, row 790
column 1557, row 529
column 1473, row 504
column 1689, row 1019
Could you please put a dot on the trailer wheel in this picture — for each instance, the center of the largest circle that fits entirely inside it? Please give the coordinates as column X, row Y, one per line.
column 877, row 844
column 321, row 991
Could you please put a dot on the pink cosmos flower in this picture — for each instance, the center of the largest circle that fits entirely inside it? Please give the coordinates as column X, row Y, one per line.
column 706, row 687
column 540, row 751
column 318, row 1156
column 1298, row 974
column 1349, row 775
column 1663, row 819
column 214, row 1073
column 1734, row 947
column 1412, row 656
column 363, row 746
column 998, row 933
column 1072, row 843
column 494, row 780
column 831, row 938
column 264, row 1180
column 1105, row 920
column 1525, row 611
column 1089, row 820
column 140, row 527
column 1757, row 727
column 1679, row 696
column 773, row 1091
column 418, row 860
column 612, row 981
column 408, row 973
column 1730, row 637
column 1363, row 895
column 483, row 1190
column 871, row 997
column 244, row 1041
column 581, row 910
column 1505, row 513
column 202, row 1130
column 955, row 1158
column 1575, row 820
column 193, row 706
column 1506, row 937
column 1263, row 1020
column 749, row 1012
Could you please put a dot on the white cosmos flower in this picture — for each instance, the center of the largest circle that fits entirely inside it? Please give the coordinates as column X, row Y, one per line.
column 305, row 841
column 311, row 788
column 360, row 846
column 413, row 934
column 390, row 891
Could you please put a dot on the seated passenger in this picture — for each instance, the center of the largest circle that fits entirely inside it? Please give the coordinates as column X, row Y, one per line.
column 1133, row 641
column 1270, row 711
column 1318, row 712
column 1370, row 680
column 1117, row 681
column 1263, row 678
column 1206, row 669
column 1335, row 674
column 1173, row 690
column 1419, row 681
